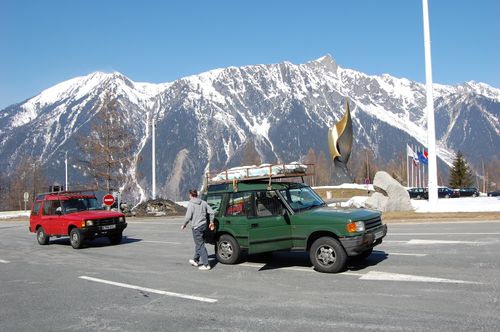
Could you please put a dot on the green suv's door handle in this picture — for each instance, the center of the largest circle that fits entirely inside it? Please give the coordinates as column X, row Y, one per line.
column 254, row 225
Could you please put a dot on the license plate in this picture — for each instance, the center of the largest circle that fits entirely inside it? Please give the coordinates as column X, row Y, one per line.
column 104, row 228
column 378, row 235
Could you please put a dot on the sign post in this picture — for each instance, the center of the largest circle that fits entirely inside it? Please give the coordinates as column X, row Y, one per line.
column 26, row 197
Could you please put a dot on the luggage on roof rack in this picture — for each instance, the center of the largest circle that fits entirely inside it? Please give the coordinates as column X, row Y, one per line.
column 262, row 172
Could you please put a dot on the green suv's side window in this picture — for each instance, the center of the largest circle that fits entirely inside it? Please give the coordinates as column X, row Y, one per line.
column 240, row 204
column 301, row 198
column 214, row 201
column 267, row 203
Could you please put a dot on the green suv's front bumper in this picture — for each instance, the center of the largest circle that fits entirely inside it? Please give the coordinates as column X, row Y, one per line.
column 357, row 244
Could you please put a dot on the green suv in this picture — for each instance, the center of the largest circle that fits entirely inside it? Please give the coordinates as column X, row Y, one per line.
column 259, row 216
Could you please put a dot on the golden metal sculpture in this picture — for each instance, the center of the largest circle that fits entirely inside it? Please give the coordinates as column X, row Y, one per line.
column 340, row 139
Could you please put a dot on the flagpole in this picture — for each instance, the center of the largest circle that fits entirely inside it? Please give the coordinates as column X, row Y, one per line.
column 407, row 168
column 431, row 131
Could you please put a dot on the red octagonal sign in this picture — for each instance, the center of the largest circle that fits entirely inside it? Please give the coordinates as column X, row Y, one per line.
column 108, row 200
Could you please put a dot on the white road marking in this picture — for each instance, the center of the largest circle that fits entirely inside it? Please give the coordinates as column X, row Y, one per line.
column 162, row 242
column 291, row 268
column 374, row 275
column 166, row 223
column 395, row 241
column 405, row 254
column 150, row 290
column 442, row 242
column 4, row 261
column 413, row 234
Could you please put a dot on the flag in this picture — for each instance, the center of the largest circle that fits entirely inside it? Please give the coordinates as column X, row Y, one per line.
column 412, row 154
column 422, row 157
column 409, row 151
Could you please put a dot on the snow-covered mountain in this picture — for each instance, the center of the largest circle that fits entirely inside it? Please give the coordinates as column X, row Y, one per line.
column 205, row 120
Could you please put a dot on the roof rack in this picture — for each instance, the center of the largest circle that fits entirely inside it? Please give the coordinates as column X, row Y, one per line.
column 262, row 172
column 67, row 192
column 41, row 196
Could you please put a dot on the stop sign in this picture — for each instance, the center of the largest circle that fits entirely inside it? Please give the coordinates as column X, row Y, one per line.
column 108, row 200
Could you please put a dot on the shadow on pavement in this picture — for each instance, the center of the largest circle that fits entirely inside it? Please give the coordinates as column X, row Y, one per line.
column 95, row 243
column 278, row 260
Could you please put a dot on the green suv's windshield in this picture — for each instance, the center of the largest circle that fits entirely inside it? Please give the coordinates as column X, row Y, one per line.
column 301, row 198
column 79, row 204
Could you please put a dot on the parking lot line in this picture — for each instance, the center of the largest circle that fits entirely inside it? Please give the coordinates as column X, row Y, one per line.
column 162, row 242
column 404, row 254
column 416, row 241
column 385, row 276
column 4, row 261
column 414, row 234
column 149, row 290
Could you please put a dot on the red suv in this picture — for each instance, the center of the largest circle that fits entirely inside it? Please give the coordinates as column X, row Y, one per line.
column 76, row 214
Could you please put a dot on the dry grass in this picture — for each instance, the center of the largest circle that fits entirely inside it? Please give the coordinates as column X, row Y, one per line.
column 341, row 193
column 389, row 217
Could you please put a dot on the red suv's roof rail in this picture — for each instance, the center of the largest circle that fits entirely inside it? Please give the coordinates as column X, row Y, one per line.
column 63, row 193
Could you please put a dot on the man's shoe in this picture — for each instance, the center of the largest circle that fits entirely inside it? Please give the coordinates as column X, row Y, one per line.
column 193, row 262
column 204, row 267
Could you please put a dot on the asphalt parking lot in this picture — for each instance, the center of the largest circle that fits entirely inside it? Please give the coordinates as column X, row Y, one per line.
column 425, row 276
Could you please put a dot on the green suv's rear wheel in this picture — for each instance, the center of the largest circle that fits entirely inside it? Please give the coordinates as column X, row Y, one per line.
column 41, row 236
column 227, row 250
column 328, row 255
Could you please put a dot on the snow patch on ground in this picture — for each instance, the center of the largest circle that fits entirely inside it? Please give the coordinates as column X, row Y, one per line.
column 462, row 204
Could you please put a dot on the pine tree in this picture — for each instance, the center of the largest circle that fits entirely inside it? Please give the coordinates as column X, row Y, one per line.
column 460, row 174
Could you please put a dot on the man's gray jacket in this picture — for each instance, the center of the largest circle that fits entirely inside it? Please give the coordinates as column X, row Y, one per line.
column 197, row 211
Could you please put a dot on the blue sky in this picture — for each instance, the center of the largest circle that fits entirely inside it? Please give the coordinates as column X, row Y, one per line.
column 46, row 42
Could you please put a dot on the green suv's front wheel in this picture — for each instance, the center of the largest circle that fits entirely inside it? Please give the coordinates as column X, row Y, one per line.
column 227, row 250
column 328, row 255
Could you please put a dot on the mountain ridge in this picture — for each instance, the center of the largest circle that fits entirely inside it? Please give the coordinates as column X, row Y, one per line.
column 205, row 119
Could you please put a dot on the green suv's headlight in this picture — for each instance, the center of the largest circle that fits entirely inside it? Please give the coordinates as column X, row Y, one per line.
column 355, row 226
column 89, row 223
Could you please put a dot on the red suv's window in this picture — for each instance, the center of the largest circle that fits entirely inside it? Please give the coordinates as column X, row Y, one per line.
column 49, row 207
column 36, row 208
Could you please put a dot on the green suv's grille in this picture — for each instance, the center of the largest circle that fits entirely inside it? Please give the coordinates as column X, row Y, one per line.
column 372, row 223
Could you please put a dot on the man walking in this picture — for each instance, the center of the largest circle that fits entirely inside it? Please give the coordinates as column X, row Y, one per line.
column 196, row 213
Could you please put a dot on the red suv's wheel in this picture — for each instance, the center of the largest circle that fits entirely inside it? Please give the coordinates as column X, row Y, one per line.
column 76, row 238
column 42, row 237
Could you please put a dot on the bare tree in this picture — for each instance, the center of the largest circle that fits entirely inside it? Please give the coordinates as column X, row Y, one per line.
column 492, row 174
column 27, row 177
column 323, row 170
column 310, row 158
column 397, row 169
column 107, row 149
column 364, row 166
